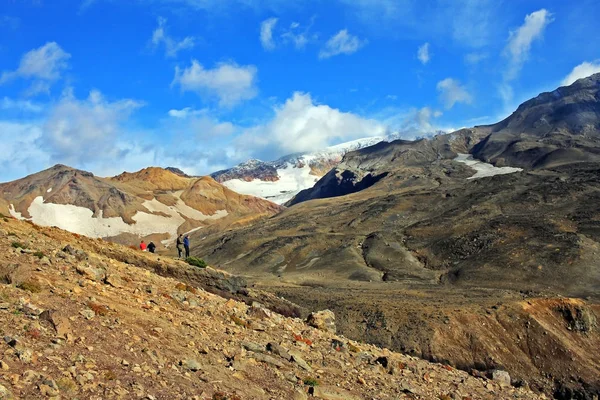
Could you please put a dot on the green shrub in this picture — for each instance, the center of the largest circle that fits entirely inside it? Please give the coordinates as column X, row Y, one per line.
column 310, row 381
column 39, row 254
column 18, row 245
column 196, row 262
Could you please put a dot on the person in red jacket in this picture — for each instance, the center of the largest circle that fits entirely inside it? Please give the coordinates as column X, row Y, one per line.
column 143, row 246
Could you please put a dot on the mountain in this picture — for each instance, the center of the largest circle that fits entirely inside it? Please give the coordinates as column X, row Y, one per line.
column 83, row 318
column 429, row 248
column 280, row 180
column 154, row 203
column 555, row 128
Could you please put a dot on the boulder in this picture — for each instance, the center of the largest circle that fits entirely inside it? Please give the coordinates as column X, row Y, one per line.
column 324, row 320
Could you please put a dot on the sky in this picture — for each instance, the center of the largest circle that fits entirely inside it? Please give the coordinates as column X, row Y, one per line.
column 110, row 86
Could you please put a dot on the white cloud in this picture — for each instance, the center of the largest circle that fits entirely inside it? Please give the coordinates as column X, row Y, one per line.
column 186, row 112
column 172, row 46
column 78, row 132
column 342, row 43
column 301, row 125
column 423, row 54
column 520, row 40
column 583, row 70
column 228, row 82
column 295, row 35
column 20, row 105
column 452, row 92
column 475, row 57
column 19, row 155
column 43, row 65
column 266, row 33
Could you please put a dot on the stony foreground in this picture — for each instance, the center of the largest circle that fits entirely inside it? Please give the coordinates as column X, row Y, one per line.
column 76, row 324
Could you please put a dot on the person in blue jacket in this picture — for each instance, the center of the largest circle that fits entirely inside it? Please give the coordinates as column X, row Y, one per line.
column 186, row 245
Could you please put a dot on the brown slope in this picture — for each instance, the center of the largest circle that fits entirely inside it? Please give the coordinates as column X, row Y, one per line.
column 80, row 323
column 64, row 185
column 154, row 179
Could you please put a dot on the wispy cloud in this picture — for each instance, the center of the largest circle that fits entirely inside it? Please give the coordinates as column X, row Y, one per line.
column 518, row 49
column 43, row 65
column 7, row 21
column 229, row 82
column 520, row 40
column 583, row 70
column 423, row 53
column 342, row 43
column 266, row 33
column 172, row 46
column 475, row 57
column 9, row 104
column 452, row 92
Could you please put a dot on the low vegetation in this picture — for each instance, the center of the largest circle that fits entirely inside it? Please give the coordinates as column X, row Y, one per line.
column 196, row 262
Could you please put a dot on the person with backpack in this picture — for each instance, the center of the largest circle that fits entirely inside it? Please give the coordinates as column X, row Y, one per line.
column 151, row 247
column 179, row 244
column 186, row 244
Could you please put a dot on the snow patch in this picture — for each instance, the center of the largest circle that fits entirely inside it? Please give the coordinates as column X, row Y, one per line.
column 14, row 213
column 484, row 170
column 49, row 190
column 291, row 181
column 81, row 220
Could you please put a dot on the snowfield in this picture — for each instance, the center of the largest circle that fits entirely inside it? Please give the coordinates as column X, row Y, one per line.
column 484, row 169
column 80, row 220
column 291, row 181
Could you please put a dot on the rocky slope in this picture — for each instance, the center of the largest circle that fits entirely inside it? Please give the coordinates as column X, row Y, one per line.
column 557, row 128
column 421, row 249
column 152, row 204
column 84, row 318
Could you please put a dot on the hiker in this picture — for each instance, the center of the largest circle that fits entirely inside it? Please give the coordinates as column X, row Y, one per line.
column 151, row 247
column 143, row 246
column 179, row 244
column 186, row 244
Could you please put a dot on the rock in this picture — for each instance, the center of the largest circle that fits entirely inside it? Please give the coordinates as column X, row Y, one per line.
column 324, row 320
column 502, row 377
column 295, row 356
column 279, row 350
column 4, row 366
column 254, row 347
column 267, row 359
column 49, row 391
column 5, row 394
column 4, row 306
column 60, row 323
column 191, row 364
column 25, row 356
column 91, row 273
column 87, row 313
column 332, row 393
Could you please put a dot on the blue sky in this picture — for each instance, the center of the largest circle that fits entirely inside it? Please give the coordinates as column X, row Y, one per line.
column 107, row 85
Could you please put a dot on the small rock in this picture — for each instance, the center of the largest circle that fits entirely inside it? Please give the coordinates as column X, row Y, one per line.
column 324, row 320
column 49, row 391
column 4, row 366
column 25, row 356
column 4, row 306
column 267, row 359
column 91, row 273
column 5, row 393
column 502, row 377
column 300, row 361
column 279, row 350
column 191, row 364
column 60, row 323
column 87, row 314
column 256, row 348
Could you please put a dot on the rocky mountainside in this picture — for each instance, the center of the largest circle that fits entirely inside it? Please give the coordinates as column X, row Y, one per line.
column 421, row 248
column 84, row 318
column 153, row 204
column 282, row 179
column 557, row 128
